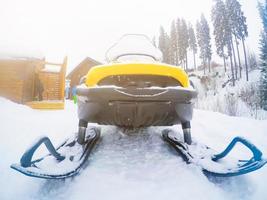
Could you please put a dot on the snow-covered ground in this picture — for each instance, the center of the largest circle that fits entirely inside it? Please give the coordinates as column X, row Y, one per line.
column 133, row 166
column 241, row 100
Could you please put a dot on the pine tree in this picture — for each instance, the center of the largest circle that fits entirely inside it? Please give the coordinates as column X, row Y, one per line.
column 185, row 42
column 181, row 42
column 263, row 55
column 201, row 45
column 263, row 14
column 173, row 44
column 231, row 15
column 192, row 42
column 154, row 41
column 203, row 38
column 220, row 23
column 223, row 34
column 228, row 37
column 168, row 49
column 241, row 33
column 252, row 61
column 229, row 49
column 163, row 44
column 239, row 29
column 229, row 41
column 207, row 38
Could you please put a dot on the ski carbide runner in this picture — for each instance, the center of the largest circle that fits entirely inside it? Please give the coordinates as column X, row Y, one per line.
column 29, row 167
column 243, row 166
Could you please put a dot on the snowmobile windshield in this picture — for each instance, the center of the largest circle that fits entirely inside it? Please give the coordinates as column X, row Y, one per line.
column 133, row 48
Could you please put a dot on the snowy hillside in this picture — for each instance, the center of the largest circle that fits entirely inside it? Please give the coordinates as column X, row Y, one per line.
column 216, row 93
column 133, row 166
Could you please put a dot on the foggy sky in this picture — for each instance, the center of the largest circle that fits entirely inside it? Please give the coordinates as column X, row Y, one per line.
column 55, row 28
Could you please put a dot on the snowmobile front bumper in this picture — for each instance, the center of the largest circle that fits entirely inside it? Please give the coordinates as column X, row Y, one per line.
column 135, row 107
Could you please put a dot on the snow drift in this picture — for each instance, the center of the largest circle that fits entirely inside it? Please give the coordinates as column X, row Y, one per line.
column 136, row 165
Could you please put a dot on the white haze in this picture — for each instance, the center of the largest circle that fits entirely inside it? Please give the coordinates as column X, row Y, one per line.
column 87, row 28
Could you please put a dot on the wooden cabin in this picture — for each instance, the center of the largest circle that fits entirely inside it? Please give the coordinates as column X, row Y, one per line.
column 20, row 80
column 79, row 71
column 16, row 78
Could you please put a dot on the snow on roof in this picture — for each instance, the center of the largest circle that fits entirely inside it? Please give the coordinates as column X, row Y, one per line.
column 19, row 52
column 51, row 68
column 87, row 59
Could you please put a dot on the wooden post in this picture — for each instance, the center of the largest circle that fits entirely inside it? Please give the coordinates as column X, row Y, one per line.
column 62, row 78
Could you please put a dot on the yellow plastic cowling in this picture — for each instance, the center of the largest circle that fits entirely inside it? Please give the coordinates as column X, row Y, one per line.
column 97, row 73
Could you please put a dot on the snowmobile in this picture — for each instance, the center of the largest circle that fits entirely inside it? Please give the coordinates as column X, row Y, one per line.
column 134, row 90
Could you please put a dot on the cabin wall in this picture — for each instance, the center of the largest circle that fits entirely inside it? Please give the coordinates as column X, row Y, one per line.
column 28, row 86
column 51, row 84
column 19, row 80
column 16, row 80
column 76, row 77
column 80, row 71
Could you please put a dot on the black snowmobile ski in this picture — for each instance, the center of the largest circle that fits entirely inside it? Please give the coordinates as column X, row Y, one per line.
column 213, row 165
column 62, row 162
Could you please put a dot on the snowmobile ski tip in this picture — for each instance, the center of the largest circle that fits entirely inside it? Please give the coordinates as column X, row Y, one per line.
column 213, row 164
column 62, row 162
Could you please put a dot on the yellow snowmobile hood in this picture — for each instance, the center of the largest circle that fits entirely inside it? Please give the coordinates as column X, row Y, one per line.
column 100, row 72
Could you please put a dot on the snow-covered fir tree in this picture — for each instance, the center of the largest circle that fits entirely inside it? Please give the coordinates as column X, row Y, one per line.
column 228, row 34
column 238, row 25
column 200, row 44
column 192, row 42
column 168, row 51
column 173, row 44
column 220, row 22
column 164, row 44
column 185, row 42
column 204, row 43
column 206, row 30
column 240, row 31
column 231, row 15
column 229, row 51
column 180, row 41
column 263, row 55
column 154, row 41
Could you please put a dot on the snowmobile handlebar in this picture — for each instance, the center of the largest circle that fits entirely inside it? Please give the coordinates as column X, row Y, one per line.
column 135, row 54
column 257, row 154
column 26, row 159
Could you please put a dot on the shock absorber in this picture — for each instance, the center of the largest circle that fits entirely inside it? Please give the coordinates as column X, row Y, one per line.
column 187, row 132
column 82, row 131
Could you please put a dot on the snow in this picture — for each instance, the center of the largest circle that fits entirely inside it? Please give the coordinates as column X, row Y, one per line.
column 136, row 165
column 229, row 100
column 51, row 68
column 19, row 51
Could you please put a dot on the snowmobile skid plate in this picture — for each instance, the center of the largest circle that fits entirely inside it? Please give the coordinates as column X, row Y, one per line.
column 217, row 165
column 62, row 162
